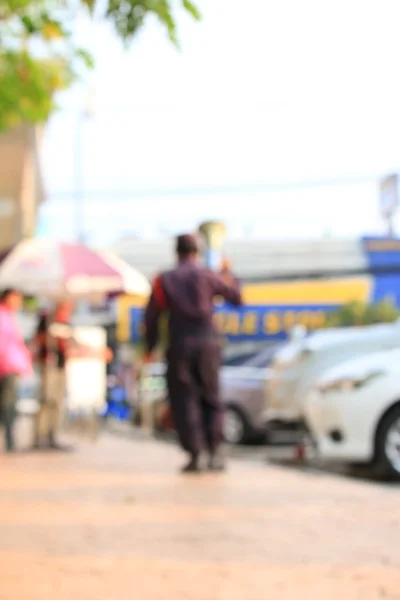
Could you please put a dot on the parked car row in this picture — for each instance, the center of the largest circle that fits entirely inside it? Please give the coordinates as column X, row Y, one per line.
column 342, row 387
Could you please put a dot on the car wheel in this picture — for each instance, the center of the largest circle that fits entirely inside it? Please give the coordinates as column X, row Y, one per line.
column 387, row 454
column 235, row 426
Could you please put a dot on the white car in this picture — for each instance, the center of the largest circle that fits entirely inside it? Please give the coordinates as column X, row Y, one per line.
column 296, row 367
column 353, row 412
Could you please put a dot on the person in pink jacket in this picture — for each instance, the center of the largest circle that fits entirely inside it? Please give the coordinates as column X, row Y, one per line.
column 15, row 361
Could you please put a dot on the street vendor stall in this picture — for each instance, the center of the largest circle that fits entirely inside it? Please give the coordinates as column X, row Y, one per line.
column 58, row 271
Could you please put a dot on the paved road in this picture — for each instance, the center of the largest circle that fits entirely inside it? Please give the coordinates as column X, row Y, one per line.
column 115, row 521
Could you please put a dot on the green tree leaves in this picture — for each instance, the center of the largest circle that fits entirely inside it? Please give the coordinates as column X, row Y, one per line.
column 128, row 16
column 192, row 9
column 358, row 313
column 30, row 79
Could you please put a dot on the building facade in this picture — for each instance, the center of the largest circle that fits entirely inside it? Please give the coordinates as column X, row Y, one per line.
column 21, row 185
column 285, row 284
column 258, row 260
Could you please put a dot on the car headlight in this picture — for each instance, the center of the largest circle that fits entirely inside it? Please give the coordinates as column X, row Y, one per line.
column 348, row 383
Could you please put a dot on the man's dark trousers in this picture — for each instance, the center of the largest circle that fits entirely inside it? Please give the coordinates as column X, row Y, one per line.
column 8, row 402
column 193, row 386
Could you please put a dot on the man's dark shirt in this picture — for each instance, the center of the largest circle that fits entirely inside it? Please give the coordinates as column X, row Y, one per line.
column 187, row 293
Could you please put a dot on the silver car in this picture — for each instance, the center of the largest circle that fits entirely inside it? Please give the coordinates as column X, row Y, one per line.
column 243, row 388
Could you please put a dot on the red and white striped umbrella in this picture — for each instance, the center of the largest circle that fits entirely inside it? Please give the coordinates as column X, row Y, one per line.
column 56, row 269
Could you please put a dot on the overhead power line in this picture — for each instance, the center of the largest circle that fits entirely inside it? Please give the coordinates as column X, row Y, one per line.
column 224, row 190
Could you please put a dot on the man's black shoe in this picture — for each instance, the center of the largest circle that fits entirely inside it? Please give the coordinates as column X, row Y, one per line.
column 193, row 466
column 217, row 463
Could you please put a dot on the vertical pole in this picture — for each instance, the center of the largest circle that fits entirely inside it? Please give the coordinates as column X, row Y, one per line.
column 79, row 200
column 390, row 226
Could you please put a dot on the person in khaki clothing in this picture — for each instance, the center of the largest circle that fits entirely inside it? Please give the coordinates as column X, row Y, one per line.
column 52, row 352
column 55, row 344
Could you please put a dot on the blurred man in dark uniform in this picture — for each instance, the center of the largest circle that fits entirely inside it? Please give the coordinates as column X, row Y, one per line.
column 187, row 293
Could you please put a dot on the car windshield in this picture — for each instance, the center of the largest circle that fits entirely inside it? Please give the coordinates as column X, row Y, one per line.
column 262, row 358
column 236, row 360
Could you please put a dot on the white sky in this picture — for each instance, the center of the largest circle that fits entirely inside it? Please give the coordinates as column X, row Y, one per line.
column 262, row 92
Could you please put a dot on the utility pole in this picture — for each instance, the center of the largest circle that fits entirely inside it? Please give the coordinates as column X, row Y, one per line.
column 390, row 226
column 86, row 112
column 389, row 199
column 79, row 180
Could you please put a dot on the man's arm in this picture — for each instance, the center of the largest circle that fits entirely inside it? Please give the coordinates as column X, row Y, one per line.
column 155, row 306
column 226, row 285
column 81, row 351
column 64, row 334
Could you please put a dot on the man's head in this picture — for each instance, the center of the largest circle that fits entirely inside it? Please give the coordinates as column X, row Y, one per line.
column 11, row 298
column 187, row 246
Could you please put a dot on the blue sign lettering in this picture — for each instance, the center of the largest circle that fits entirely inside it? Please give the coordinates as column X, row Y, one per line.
column 253, row 322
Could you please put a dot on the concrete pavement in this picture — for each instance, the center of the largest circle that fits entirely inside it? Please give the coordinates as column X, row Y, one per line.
column 114, row 521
